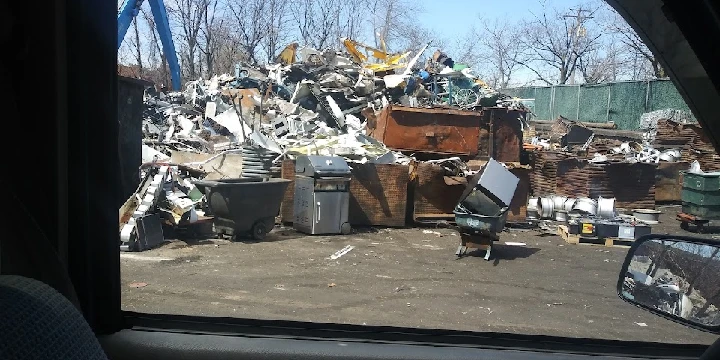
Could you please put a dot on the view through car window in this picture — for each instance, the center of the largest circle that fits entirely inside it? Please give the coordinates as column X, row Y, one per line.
column 455, row 165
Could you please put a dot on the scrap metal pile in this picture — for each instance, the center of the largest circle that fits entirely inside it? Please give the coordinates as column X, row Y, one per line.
column 318, row 104
column 308, row 102
column 574, row 137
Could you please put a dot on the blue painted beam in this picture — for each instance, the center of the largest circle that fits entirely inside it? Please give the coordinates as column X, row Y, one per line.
column 163, row 28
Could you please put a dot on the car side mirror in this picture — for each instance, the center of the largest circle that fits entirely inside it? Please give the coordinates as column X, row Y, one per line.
column 675, row 277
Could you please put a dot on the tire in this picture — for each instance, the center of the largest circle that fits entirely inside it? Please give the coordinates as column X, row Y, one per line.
column 684, row 226
column 259, row 231
column 345, row 228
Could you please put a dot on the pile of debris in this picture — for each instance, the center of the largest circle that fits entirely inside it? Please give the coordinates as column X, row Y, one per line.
column 308, row 102
column 319, row 104
column 579, row 138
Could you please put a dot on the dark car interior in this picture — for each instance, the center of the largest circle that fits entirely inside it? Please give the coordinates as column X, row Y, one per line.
column 61, row 188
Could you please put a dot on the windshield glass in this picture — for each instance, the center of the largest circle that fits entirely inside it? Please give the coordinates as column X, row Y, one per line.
column 466, row 166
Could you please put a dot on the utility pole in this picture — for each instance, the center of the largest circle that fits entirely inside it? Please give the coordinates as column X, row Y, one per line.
column 578, row 31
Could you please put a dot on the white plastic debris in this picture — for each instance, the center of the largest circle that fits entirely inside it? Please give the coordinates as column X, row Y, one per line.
column 149, row 155
column 230, row 120
column 695, row 168
column 341, row 252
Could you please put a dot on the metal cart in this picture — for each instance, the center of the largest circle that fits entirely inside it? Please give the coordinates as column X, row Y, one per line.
column 478, row 231
column 244, row 206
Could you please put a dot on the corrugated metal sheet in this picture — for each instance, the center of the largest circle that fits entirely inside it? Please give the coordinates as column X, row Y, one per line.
column 257, row 162
column 670, row 133
column 632, row 185
column 543, row 179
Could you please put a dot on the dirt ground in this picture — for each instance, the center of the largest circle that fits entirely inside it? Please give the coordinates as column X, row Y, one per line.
column 401, row 277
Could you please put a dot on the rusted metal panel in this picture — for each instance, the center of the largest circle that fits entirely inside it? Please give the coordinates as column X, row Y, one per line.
column 378, row 195
column 436, row 130
column 287, row 171
column 492, row 132
column 632, row 185
column 669, row 180
column 517, row 211
column 501, row 135
column 433, row 198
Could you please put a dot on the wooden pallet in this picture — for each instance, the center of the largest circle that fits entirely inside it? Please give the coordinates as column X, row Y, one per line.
column 585, row 240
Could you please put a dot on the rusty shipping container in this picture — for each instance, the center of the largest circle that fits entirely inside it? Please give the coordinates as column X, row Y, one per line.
column 493, row 132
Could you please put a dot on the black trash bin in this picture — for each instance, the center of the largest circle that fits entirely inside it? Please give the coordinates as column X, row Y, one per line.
column 246, row 206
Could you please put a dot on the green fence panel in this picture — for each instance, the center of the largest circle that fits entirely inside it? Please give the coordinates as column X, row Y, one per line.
column 664, row 95
column 565, row 102
column 627, row 103
column 628, row 100
column 593, row 103
column 542, row 103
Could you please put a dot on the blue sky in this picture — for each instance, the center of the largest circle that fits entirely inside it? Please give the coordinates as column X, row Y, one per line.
column 452, row 18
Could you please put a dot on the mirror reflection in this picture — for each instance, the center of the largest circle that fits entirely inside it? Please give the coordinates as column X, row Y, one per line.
column 676, row 277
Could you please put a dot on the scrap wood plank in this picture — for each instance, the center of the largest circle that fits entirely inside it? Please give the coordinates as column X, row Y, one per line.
column 575, row 239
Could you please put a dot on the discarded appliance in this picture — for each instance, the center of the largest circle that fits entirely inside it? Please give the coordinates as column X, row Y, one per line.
column 322, row 195
column 246, row 206
column 496, row 181
column 482, row 210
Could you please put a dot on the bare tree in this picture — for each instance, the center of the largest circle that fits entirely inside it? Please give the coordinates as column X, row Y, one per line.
column 351, row 24
column 502, row 51
column 189, row 15
column 230, row 49
column 210, row 44
column 557, row 42
column 276, row 28
column 602, row 64
column 138, row 47
column 317, row 21
column 251, row 25
column 155, row 48
column 643, row 59
column 395, row 23
column 467, row 49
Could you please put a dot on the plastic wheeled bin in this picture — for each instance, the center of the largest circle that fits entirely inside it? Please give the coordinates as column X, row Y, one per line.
column 245, row 206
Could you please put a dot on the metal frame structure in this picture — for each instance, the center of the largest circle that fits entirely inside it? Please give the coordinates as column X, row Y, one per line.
column 128, row 12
